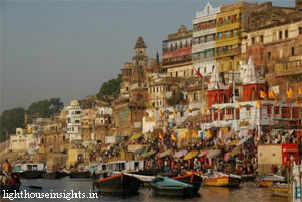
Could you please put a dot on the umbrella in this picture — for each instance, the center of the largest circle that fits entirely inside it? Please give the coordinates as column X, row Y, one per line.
column 213, row 153
column 191, row 155
column 180, row 154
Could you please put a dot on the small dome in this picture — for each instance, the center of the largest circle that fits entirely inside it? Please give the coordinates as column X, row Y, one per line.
column 74, row 103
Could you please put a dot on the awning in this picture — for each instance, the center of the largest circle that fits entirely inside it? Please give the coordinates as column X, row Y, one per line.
column 140, row 150
column 135, row 136
column 148, row 154
column 290, row 150
column 180, row 154
column 213, row 153
column 164, row 154
column 191, row 155
column 203, row 153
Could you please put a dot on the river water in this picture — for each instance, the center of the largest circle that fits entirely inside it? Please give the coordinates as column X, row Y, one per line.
column 248, row 192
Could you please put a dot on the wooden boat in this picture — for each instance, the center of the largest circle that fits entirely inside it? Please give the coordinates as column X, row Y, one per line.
column 55, row 175
column 221, row 180
column 248, row 178
column 192, row 179
column 281, row 190
column 269, row 180
column 120, row 184
column 30, row 170
column 79, row 174
column 13, row 184
column 165, row 186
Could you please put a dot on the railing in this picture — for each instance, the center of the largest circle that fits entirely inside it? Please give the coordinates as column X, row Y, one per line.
column 228, row 52
column 291, row 67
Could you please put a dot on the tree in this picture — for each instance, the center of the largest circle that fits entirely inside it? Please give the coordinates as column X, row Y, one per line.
column 10, row 120
column 110, row 88
column 46, row 108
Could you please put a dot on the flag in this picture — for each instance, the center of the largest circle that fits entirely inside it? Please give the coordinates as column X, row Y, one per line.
column 186, row 134
column 161, row 114
column 300, row 91
column 297, row 103
column 271, row 94
column 160, row 136
column 262, row 94
column 198, row 74
column 218, row 109
column 258, row 103
column 173, row 137
column 276, row 103
column 290, row 93
column 239, row 106
column 174, row 112
column 189, row 110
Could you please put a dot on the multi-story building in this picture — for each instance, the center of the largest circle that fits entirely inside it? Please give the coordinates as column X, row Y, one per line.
column 204, row 36
column 230, row 23
column 74, row 121
column 23, row 142
column 177, row 54
column 277, row 52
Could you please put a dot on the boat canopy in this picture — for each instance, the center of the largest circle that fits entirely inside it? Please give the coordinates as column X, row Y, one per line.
column 148, row 154
column 203, row 153
column 213, row 153
column 164, row 154
column 191, row 155
column 180, row 154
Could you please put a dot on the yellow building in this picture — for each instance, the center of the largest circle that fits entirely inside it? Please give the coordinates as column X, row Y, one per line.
column 230, row 23
column 75, row 155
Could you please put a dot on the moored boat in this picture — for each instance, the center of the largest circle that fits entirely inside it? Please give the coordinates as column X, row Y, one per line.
column 30, row 170
column 221, row 180
column 192, row 179
column 269, row 180
column 79, row 174
column 120, row 184
column 54, row 175
column 281, row 190
column 165, row 186
column 13, row 184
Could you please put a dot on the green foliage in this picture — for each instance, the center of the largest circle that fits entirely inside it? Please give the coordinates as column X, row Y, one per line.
column 46, row 108
column 10, row 120
column 176, row 99
column 110, row 88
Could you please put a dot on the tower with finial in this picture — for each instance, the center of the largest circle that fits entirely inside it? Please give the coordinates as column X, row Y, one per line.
column 140, row 52
column 299, row 4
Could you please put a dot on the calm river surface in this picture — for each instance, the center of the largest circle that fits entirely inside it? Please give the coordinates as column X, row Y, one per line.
column 248, row 192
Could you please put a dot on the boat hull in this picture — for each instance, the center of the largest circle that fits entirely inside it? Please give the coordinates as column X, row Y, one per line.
column 281, row 191
column 79, row 174
column 55, row 175
column 119, row 185
column 174, row 191
column 224, row 181
column 192, row 179
column 32, row 174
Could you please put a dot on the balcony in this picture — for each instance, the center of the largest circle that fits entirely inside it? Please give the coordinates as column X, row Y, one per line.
column 227, row 53
column 177, row 60
column 291, row 67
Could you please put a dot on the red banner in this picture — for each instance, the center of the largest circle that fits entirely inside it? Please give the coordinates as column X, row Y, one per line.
column 177, row 53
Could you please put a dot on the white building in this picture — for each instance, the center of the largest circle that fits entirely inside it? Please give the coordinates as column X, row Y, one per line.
column 22, row 142
column 204, row 36
column 74, row 121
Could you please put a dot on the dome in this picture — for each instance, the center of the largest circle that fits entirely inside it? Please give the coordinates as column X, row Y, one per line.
column 74, row 103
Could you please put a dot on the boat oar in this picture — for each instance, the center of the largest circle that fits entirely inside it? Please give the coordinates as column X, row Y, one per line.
column 33, row 187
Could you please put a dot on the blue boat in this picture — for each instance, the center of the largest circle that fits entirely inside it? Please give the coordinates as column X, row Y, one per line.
column 165, row 186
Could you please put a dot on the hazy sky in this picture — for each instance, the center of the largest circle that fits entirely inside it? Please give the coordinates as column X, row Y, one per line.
column 67, row 48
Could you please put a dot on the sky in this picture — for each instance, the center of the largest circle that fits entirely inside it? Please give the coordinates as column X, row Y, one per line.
column 67, row 48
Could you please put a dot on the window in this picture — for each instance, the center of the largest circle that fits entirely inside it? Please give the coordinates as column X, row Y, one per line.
column 280, row 34
column 261, row 39
column 300, row 30
column 293, row 51
column 269, row 55
column 286, row 34
column 253, row 40
column 300, row 50
column 176, row 74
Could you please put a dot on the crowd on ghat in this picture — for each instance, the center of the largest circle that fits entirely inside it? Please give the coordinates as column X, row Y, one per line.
column 224, row 155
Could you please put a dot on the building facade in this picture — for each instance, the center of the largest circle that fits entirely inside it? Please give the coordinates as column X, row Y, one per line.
column 177, row 54
column 204, row 36
column 74, row 121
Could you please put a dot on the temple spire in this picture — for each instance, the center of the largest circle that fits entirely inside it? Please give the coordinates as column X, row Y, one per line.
column 216, row 81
